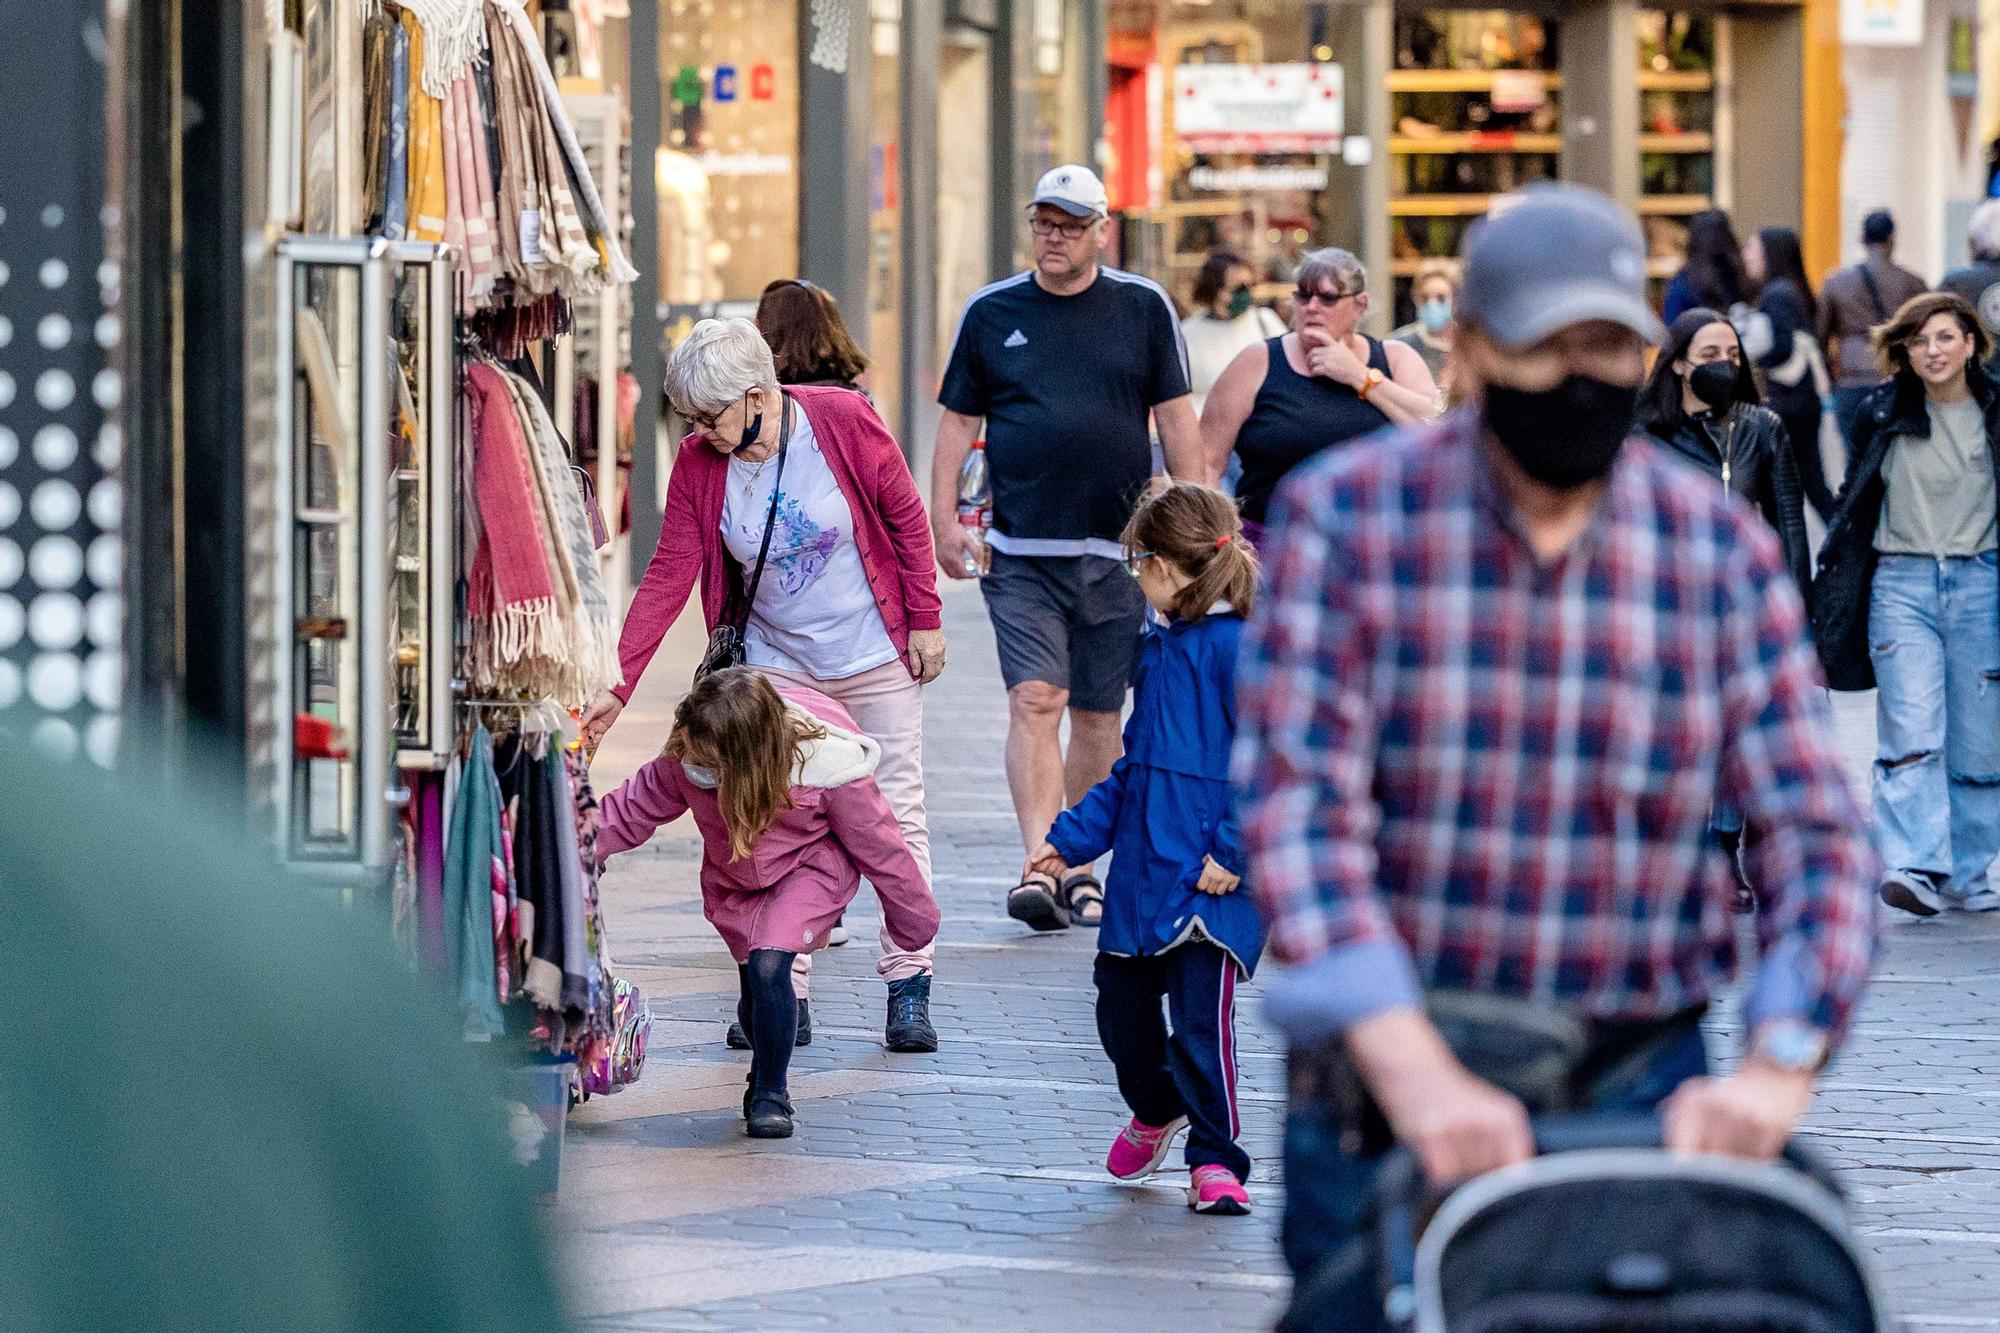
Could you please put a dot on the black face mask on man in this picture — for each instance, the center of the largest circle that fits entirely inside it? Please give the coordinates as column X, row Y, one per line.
column 1714, row 382
column 1566, row 436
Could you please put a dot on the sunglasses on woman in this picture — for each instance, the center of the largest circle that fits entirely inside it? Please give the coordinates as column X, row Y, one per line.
column 1327, row 299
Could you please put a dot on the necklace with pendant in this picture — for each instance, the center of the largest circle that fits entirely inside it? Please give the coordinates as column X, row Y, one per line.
column 757, row 471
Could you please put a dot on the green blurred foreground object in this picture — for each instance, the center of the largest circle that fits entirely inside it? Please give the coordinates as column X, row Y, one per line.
column 223, row 1104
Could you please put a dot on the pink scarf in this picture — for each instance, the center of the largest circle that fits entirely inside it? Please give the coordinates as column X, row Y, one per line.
column 512, row 585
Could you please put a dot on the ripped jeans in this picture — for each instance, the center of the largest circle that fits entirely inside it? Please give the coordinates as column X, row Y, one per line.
column 1934, row 637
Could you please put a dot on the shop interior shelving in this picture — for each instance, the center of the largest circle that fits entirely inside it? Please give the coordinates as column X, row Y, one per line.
column 1683, row 63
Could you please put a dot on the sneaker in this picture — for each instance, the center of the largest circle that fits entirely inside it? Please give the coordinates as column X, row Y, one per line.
column 1139, row 1149
column 739, row 1040
column 1912, row 891
column 909, row 1027
column 838, row 935
column 1986, row 900
column 1215, row 1189
column 769, row 1116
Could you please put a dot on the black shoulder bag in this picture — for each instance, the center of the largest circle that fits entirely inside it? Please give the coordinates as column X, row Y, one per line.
column 725, row 641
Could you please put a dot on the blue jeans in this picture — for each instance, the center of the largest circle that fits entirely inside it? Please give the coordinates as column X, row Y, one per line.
column 1934, row 637
column 1331, row 1166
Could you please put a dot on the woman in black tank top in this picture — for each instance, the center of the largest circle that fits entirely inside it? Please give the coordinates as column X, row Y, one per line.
column 1284, row 400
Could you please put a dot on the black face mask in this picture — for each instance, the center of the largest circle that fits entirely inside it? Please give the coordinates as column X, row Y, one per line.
column 752, row 428
column 1563, row 437
column 1714, row 383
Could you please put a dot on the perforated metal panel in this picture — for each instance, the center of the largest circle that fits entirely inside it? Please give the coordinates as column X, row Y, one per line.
column 61, row 614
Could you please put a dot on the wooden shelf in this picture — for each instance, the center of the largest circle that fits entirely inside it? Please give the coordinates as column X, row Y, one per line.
column 1440, row 206
column 1673, row 205
column 1500, row 142
column 1676, row 81
column 1459, row 80
column 1691, row 142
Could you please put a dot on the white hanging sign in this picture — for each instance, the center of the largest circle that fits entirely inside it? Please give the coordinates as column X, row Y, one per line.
column 1882, row 22
column 1292, row 108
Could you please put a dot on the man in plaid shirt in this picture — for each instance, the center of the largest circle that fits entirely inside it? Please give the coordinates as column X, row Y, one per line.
column 1505, row 666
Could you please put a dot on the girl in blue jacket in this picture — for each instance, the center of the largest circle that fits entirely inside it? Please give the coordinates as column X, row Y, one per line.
column 1178, row 922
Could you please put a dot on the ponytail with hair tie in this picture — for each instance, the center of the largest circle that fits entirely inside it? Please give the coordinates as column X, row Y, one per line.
column 1194, row 529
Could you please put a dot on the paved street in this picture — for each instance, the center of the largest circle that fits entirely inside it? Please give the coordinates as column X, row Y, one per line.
column 965, row 1189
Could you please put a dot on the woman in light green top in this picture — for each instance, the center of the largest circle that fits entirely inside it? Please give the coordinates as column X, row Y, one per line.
column 1908, row 599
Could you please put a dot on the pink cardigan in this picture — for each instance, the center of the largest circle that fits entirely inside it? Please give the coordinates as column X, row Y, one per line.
column 891, row 530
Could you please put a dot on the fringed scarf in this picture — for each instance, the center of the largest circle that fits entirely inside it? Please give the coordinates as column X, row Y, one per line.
column 513, row 588
column 475, row 182
column 454, row 37
column 427, row 186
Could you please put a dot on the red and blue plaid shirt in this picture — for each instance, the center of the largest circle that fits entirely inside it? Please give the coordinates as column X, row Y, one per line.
column 1462, row 767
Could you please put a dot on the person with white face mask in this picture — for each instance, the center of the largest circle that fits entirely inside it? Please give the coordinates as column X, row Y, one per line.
column 1435, row 292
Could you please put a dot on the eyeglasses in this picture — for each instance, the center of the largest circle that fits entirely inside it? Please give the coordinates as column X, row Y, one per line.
column 1136, row 561
column 1069, row 231
column 705, row 421
column 1943, row 341
column 1327, row 299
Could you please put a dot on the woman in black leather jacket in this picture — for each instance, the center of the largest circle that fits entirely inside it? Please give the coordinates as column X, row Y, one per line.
column 1700, row 404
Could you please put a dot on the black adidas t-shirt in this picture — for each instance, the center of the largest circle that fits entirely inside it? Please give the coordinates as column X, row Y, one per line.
column 1065, row 384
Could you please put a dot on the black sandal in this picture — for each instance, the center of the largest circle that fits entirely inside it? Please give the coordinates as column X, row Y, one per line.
column 1037, row 902
column 1085, row 897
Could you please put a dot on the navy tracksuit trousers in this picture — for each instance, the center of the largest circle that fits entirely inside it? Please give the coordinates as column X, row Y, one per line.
column 1190, row 1072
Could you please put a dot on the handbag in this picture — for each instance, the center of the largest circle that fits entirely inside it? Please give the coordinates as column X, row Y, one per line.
column 725, row 641
column 600, row 536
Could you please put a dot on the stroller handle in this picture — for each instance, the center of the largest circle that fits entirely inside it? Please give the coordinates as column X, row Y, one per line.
column 1402, row 1192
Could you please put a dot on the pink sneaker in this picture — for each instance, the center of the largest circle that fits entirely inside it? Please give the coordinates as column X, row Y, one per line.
column 1139, row 1149
column 1217, row 1190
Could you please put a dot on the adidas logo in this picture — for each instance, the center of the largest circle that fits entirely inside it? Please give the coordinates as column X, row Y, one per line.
column 1016, row 339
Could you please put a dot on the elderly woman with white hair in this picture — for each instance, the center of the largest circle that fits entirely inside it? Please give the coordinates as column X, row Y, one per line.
column 1979, row 281
column 847, row 603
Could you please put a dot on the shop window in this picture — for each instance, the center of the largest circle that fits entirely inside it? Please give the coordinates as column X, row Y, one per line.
column 1680, row 58
column 728, row 165
column 1475, row 112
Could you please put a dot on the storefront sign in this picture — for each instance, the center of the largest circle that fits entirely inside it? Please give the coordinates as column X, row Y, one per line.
column 1260, row 177
column 1882, row 22
column 1294, row 108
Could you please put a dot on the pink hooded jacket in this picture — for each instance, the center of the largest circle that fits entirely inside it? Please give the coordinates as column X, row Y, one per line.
column 807, row 866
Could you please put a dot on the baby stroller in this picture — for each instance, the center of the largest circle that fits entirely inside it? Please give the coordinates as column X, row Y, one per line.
column 1607, row 1232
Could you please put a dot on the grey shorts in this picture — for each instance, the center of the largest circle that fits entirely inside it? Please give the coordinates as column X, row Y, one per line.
column 1068, row 621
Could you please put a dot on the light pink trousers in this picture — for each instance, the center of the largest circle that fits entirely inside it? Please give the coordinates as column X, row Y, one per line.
column 889, row 706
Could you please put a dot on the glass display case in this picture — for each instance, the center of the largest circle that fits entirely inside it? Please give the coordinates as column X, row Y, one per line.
column 334, row 456
column 423, row 440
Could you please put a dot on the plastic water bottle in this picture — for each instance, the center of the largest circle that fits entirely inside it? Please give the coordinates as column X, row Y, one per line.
column 975, row 510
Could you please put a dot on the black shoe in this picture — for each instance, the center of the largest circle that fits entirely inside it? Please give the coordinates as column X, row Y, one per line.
column 739, row 1040
column 768, row 1115
column 909, row 1028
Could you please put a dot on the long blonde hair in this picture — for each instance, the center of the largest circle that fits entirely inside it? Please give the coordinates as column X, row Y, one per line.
column 734, row 721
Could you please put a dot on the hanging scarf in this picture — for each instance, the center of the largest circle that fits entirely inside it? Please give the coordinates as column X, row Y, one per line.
column 378, row 40
column 475, row 181
column 593, row 653
column 615, row 267
column 512, row 586
column 427, row 201
column 454, row 184
column 575, row 935
column 454, row 37
column 516, row 190
column 396, row 160
column 471, row 853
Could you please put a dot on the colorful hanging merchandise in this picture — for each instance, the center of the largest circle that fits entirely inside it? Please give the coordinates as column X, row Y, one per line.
column 541, row 620
column 471, row 145
column 478, row 895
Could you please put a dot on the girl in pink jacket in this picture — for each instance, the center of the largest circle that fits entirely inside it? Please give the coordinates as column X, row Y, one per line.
column 781, row 784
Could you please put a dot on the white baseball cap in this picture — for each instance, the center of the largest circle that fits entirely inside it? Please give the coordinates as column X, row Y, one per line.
column 1075, row 190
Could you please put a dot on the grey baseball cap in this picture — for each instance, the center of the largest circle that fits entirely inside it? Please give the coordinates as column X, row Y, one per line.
column 1553, row 256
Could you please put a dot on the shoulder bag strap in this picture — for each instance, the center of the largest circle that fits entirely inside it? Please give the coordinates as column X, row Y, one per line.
column 770, row 519
column 1874, row 293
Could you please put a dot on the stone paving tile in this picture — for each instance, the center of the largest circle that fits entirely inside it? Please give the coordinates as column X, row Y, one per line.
column 965, row 1189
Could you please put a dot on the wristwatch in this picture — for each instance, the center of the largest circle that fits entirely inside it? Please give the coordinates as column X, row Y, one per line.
column 1790, row 1045
column 1368, row 383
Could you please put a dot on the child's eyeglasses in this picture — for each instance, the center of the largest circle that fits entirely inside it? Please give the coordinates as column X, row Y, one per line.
column 1136, row 561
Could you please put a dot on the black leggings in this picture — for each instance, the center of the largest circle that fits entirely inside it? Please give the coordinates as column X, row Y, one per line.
column 769, row 1013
